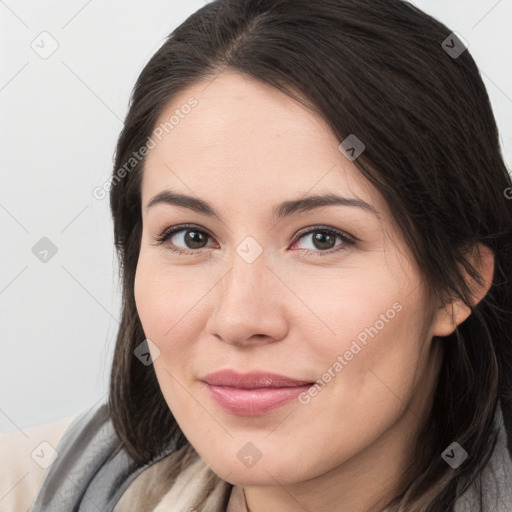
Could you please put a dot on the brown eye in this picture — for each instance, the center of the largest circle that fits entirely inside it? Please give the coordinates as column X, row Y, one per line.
column 185, row 239
column 323, row 240
column 194, row 239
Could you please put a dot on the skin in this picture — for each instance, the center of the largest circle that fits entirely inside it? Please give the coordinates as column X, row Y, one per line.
column 245, row 148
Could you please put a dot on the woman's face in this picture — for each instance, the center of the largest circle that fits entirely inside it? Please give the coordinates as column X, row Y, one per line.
column 270, row 287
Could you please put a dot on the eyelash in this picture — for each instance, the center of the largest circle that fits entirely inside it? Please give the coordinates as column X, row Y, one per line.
column 347, row 239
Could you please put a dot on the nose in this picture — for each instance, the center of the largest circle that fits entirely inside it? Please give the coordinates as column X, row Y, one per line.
column 249, row 304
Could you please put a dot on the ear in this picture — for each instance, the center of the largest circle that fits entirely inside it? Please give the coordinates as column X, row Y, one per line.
column 449, row 316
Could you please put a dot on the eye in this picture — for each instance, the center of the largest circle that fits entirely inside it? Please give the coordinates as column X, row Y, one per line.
column 323, row 240
column 194, row 239
column 189, row 235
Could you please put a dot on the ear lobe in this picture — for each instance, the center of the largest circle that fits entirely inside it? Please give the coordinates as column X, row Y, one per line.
column 450, row 315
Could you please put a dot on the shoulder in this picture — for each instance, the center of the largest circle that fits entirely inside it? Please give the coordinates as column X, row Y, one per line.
column 82, row 449
column 25, row 457
column 91, row 462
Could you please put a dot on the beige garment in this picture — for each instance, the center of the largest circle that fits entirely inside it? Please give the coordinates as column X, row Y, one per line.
column 237, row 502
column 25, row 457
column 181, row 482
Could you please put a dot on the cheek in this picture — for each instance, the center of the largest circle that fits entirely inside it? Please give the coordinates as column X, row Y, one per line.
column 162, row 312
column 148, row 293
column 374, row 350
column 159, row 296
column 350, row 306
column 381, row 365
column 168, row 308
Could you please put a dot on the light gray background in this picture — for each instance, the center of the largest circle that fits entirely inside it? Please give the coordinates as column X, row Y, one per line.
column 61, row 117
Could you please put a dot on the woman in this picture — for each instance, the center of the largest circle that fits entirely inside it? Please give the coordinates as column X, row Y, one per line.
column 310, row 210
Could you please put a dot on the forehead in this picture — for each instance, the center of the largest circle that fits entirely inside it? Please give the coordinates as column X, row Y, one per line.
column 245, row 136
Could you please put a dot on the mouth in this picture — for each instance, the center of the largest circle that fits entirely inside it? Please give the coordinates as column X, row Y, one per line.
column 254, row 393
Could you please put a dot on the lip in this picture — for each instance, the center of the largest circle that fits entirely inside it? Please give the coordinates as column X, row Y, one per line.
column 253, row 393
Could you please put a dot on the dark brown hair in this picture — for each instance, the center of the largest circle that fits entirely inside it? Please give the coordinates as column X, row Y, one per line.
column 377, row 69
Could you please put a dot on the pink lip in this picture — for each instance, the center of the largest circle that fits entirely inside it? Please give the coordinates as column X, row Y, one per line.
column 254, row 393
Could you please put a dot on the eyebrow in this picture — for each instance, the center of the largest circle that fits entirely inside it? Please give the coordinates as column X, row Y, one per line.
column 285, row 209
